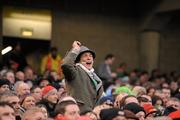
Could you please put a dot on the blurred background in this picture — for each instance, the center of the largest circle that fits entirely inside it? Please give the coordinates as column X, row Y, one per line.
column 142, row 33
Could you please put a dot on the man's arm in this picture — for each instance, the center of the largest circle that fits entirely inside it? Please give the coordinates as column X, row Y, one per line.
column 68, row 66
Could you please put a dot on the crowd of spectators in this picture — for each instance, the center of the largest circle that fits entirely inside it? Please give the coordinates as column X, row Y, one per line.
column 128, row 95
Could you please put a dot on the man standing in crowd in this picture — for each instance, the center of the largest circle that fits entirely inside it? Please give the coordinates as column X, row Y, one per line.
column 104, row 70
column 52, row 62
column 82, row 83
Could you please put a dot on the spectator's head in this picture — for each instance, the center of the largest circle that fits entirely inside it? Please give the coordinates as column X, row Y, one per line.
column 10, row 76
column 28, row 102
column 43, row 82
column 136, row 109
column 151, row 91
column 36, row 93
column 6, row 111
column 49, row 93
column 109, row 59
column 144, row 99
column 85, row 57
column 43, row 109
column 128, row 99
column 157, row 101
column 22, row 89
column 20, row 76
column 138, row 91
column 123, row 89
column 150, row 110
column 118, row 99
column 166, row 94
column 68, row 109
column 12, row 99
column 111, row 114
column 34, row 113
column 29, row 74
column 144, row 77
column 173, row 102
column 4, row 85
column 53, row 51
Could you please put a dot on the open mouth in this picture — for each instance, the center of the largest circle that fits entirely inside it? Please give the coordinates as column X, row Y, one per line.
column 88, row 63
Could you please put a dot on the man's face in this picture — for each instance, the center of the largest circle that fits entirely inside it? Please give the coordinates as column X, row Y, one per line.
column 10, row 77
column 166, row 93
column 7, row 113
column 28, row 102
column 15, row 102
column 131, row 100
column 4, row 88
column 23, row 90
column 53, row 97
column 72, row 112
column 87, row 60
column 37, row 94
column 20, row 75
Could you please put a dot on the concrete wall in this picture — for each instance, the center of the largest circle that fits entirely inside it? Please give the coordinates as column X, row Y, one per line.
column 103, row 34
column 170, row 49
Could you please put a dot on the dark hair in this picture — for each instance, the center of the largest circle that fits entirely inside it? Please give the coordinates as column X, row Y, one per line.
column 109, row 56
column 53, row 49
column 155, row 99
column 60, row 107
column 123, row 101
column 3, row 104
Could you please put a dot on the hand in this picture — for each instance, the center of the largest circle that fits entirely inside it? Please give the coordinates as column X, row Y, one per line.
column 76, row 45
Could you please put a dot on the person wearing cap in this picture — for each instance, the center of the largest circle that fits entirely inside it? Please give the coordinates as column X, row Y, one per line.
column 49, row 99
column 82, row 82
column 136, row 109
column 4, row 85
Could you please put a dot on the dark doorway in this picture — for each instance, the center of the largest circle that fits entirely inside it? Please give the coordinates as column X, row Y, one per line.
column 33, row 49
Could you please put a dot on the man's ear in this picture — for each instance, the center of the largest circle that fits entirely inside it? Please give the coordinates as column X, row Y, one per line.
column 60, row 117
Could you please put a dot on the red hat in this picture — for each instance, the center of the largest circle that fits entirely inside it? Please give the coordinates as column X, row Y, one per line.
column 149, row 108
column 175, row 115
column 48, row 90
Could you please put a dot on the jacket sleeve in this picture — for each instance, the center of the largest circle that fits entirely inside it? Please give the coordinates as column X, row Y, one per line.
column 68, row 66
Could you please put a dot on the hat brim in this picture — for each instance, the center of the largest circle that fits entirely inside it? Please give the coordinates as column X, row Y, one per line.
column 79, row 55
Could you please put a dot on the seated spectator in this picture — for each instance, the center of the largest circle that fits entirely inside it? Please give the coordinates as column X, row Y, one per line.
column 6, row 111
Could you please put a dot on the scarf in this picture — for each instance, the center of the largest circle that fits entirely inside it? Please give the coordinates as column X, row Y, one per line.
column 94, row 78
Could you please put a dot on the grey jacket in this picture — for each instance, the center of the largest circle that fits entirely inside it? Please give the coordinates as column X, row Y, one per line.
column 79, row 84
